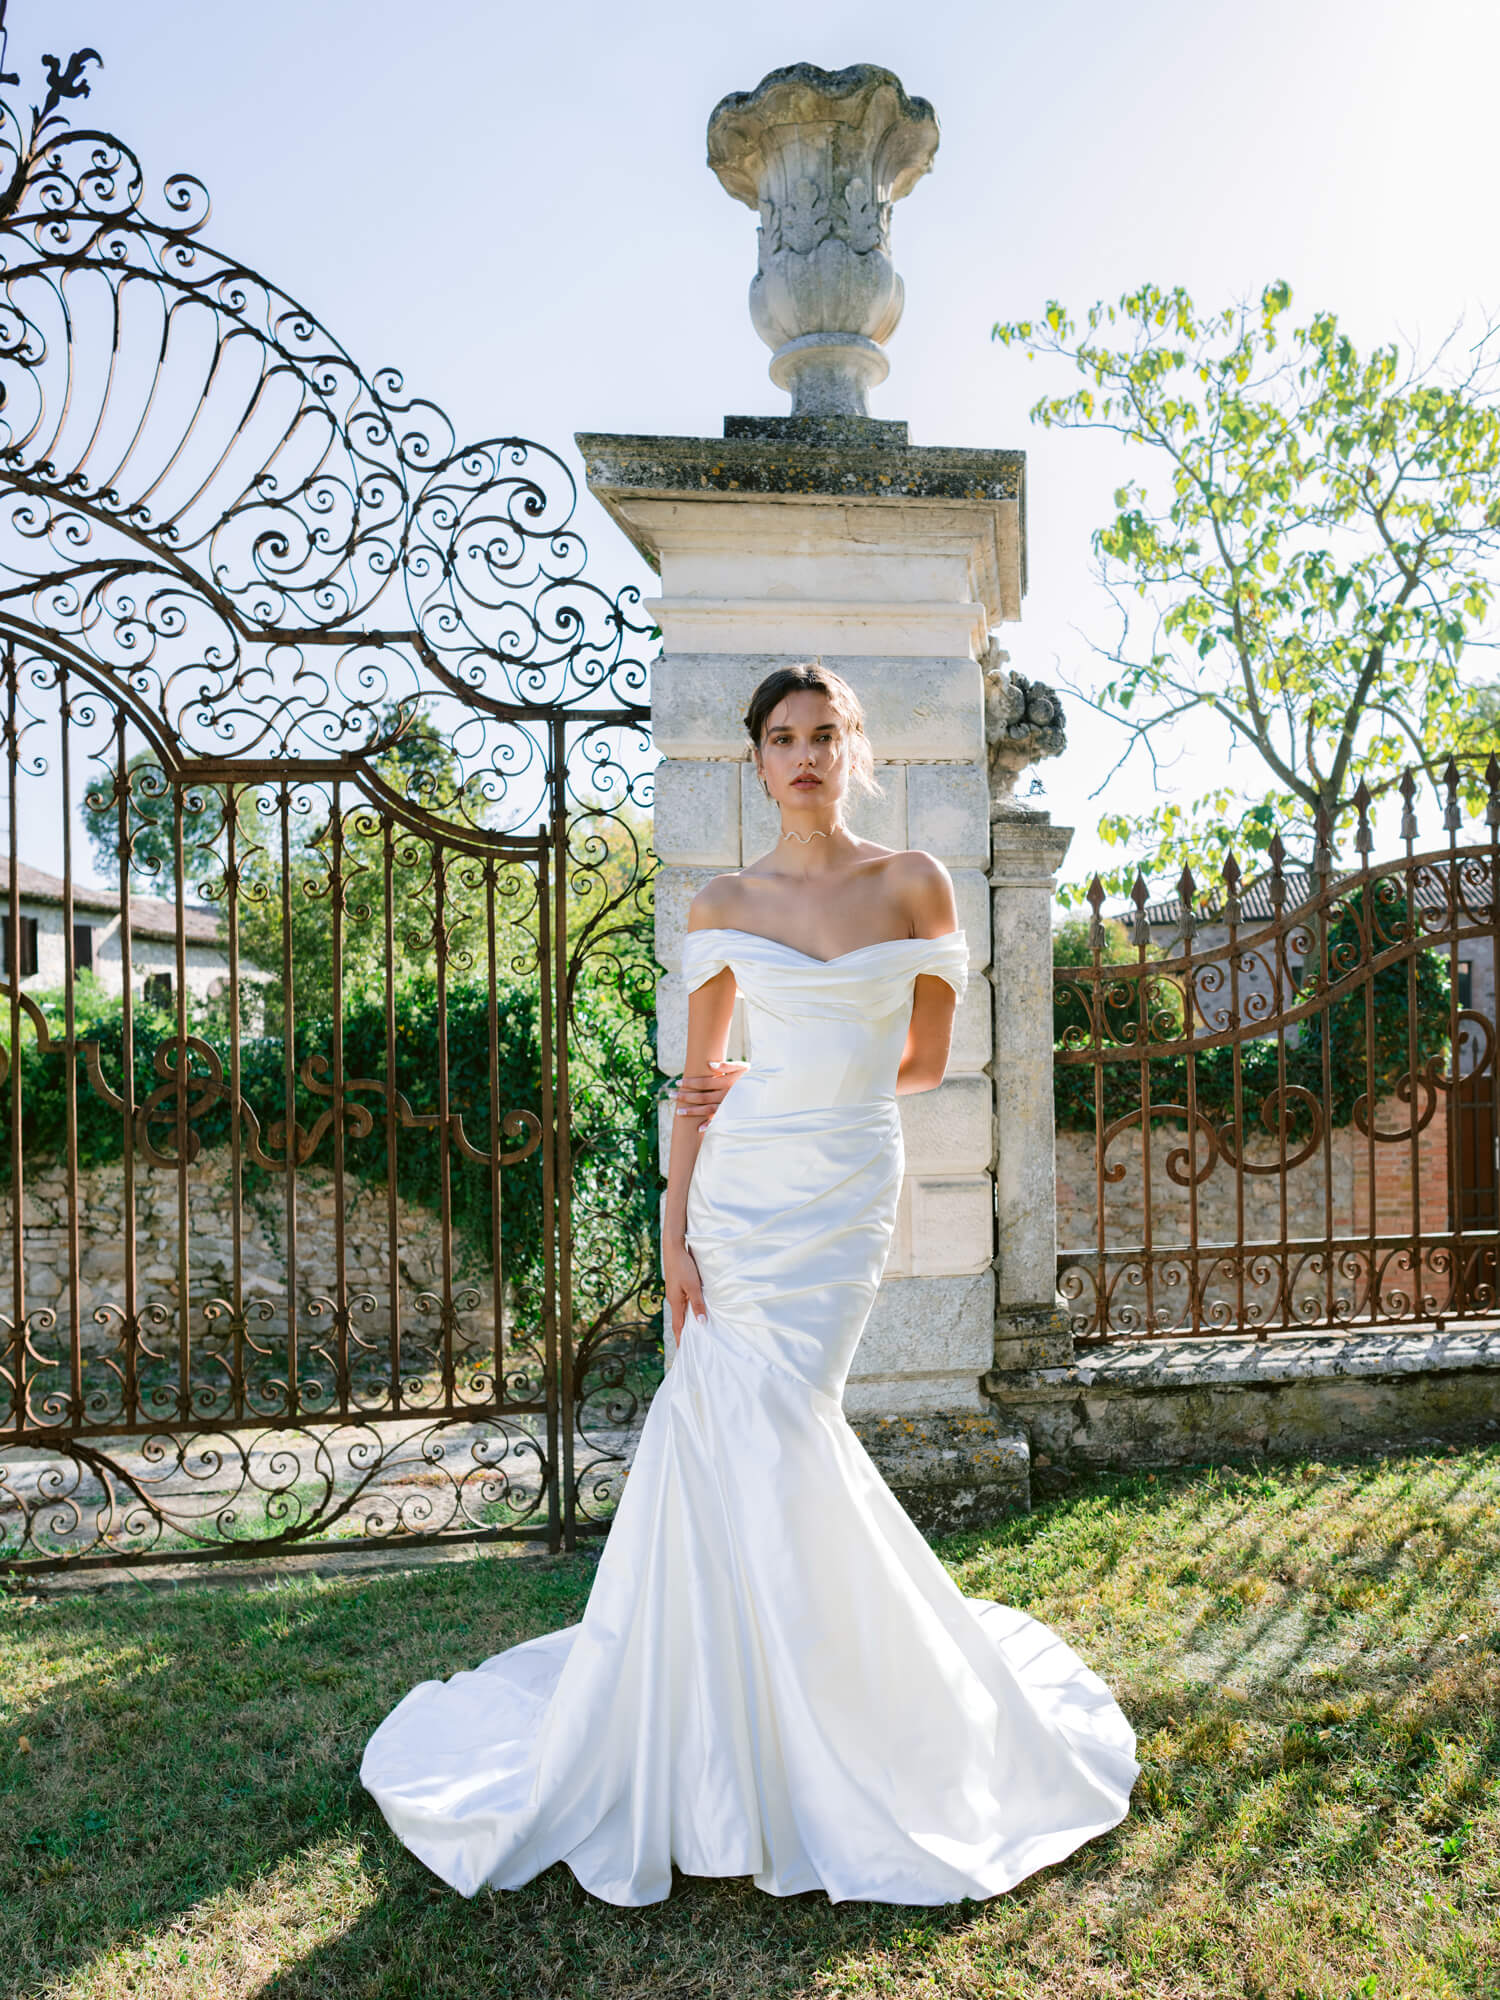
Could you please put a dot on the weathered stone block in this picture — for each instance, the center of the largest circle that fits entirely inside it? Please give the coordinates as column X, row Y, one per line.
column 952, row 1224
column 949, row 1130
column 951, row 1472
column 697, row 814
column 916, row 710
column 973, row 1027
column 948, row 813
column 971, row 893
column 1039, row 1336
column 926, row 1345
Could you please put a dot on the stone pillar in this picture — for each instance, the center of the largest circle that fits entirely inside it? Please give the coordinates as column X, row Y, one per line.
column 827, row 533
column 891, row 563
column 1030, row 1331
column 1023, row 723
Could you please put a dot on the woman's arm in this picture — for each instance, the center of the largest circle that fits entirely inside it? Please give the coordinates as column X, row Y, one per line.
column 710, row 1008
column 928, row 889
column 924, row 1060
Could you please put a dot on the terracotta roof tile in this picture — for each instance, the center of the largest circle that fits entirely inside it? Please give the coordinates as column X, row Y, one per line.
column 150, row 916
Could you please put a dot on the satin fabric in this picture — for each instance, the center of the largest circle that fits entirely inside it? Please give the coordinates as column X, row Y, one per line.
column 774, row 1675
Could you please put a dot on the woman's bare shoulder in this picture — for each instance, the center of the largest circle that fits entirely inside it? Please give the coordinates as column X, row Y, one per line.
column 925, row 889
column 715, row 905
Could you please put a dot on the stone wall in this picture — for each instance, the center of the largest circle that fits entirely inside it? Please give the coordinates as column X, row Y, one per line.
column 101, row 1209
column 1154, row 1402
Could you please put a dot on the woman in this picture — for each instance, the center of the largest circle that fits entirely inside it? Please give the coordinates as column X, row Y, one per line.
column 774, row 1675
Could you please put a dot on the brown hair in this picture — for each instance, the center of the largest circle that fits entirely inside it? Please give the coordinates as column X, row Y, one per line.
column 812, row 677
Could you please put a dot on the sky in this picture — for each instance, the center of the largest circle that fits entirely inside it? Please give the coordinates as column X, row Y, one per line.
column 510, row 203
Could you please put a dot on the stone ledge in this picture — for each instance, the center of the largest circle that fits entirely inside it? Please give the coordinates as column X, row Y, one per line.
column 1169, row 1401
column 1030, row 1336
column 1289, row 1357
column 951, row 1472
column 798, row 465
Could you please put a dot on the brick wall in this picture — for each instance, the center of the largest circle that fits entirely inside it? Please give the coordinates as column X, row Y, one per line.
column 1314, row 1195
column 1326, row 1195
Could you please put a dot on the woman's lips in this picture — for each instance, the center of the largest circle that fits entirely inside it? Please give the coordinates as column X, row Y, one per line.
column 806, row 784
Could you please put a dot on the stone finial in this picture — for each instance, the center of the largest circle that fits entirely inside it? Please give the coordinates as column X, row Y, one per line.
column 822, row 155
column 1023, row 722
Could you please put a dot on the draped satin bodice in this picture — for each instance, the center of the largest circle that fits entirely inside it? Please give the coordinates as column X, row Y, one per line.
column 807, row 1146
column 823, row 1032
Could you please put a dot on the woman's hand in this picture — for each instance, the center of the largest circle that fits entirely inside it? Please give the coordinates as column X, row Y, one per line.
column 684, row 1286
column 700, row 1096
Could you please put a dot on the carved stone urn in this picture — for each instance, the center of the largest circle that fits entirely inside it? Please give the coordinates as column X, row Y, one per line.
column 822, row 154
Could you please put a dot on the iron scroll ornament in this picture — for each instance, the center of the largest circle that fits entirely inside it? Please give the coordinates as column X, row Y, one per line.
column 226, row 544
column 259, row 547
column 1293, row 1100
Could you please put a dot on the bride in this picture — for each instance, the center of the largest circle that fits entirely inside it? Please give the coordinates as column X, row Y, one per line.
column 774, row 1675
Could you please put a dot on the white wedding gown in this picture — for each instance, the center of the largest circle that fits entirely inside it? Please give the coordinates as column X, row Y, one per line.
column 774, row 1675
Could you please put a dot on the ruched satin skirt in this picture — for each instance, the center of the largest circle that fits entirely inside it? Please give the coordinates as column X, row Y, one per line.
column 774, row 1675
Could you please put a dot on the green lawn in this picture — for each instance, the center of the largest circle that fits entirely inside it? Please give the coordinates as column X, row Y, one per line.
column 1311, row 1655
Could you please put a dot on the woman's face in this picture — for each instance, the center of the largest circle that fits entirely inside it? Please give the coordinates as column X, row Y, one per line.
column 804, row 753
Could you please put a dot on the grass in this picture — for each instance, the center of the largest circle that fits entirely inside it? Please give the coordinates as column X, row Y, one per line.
column 1310, row 1653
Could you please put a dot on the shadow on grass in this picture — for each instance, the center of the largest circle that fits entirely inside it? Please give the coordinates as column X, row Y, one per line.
column 191, row 1742
column 204, row 1747
column 710, row 1940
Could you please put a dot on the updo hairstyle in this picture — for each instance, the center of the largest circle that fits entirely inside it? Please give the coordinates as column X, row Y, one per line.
column 812, row 677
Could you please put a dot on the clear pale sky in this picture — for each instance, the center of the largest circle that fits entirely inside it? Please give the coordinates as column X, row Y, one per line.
column 510, row 203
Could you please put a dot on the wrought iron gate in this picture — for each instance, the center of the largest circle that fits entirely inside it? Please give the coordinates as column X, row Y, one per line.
column 329, row 1182
column 1277, row 1104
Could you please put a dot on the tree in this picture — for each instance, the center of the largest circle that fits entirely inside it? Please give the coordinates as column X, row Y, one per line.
column 1314, row 555
column 419, row 765
column 153, row 829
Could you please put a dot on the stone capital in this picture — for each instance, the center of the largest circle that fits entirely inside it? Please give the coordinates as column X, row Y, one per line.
column 1027, row 850
column 794, row 545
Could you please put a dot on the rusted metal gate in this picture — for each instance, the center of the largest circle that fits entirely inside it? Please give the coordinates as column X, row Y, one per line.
column 329, row 1190
column 1277, row 1103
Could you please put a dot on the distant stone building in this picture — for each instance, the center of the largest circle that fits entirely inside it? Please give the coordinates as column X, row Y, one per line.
column 1476, row 967
column 1459, row 1172
column 154, row 921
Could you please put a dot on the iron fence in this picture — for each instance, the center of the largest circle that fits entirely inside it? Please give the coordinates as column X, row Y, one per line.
column 1278, row 1104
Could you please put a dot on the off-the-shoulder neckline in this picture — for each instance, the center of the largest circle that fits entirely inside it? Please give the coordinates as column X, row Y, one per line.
column 881, row 944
